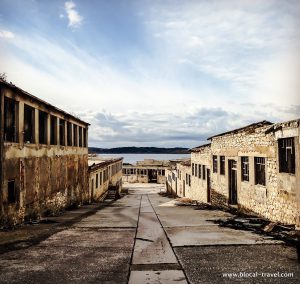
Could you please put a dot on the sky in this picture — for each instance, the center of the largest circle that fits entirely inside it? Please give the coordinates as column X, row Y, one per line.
column 156, row 73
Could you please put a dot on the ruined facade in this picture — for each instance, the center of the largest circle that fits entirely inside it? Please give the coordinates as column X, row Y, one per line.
column 254, row 168
column 146, row 171
column 44, row 157
column 104, row 175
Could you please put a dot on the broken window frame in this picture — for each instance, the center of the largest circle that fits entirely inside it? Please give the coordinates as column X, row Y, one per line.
column 245, row 168
column 43, row 127
column 260, row 170
column 11, row 128
column 29, row 124
column 286, row 155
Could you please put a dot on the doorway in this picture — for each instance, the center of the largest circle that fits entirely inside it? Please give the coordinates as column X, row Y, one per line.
column 208, row 183
column 232, row 180
column 152, row 176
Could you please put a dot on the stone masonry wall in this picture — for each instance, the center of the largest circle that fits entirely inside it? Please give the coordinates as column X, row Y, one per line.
column 276, row 200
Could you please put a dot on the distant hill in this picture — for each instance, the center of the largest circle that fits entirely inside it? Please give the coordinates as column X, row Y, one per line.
column 138, row 150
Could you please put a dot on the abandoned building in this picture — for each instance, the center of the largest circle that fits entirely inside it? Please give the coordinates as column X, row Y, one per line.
column 179, row 178
column 44, row 157
column 104, row 175
column 147, row 171
column 254, row 169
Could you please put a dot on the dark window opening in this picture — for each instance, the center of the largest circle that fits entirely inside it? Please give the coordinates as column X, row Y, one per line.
column 203, row 172
column 11, row 191
column 163, row 172
column 62, row 132
column 28, row 124
column 215, row 164
column 260, row 170
column 245, row 168
column 80, row 136
column 196, row 170
column 84, row 138
column 10, row 120
column 53, row 130
column 192, row 169
column 286, row 150
column 96, row 180
column 43, row 123
column 222, row 165
column 101, row 178
column 69, row 133
column 199, row 171
column 75, row 134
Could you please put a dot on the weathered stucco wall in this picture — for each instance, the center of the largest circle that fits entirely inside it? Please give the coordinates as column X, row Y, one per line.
column 183, row 187
column 171, row 183
column 43, row 178
column 46, row 180
column 202, row 157
column 98, row 186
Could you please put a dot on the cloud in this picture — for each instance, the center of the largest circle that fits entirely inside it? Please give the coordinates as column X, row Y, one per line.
column 75, row 19
column 6, row 34
column 174, row 129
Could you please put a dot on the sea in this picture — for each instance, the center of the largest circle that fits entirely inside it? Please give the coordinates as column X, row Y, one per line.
column 133, row 158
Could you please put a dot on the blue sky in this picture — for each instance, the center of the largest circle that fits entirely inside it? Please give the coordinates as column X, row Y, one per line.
column 156, row 73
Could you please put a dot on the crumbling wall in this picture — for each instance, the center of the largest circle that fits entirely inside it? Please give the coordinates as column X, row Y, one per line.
column 46, row 181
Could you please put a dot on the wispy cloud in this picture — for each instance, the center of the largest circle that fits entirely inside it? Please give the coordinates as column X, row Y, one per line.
column 6, row 34
column 75, row 19
column 190, row 70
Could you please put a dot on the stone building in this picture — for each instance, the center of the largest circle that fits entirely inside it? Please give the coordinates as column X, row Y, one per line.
column 44, row 157
column 146, row 171
column 104, row 175
column 254, row 168
column 201, row 173
column 183, row 182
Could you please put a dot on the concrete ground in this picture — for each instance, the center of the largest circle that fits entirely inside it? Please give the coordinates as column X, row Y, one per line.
column 143, row 238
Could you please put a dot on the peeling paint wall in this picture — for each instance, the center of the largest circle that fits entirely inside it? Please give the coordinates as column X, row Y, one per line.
column 47, row 178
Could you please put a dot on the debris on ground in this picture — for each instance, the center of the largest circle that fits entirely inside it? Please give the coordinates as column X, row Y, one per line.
column 264, row 226
column 165, row 194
